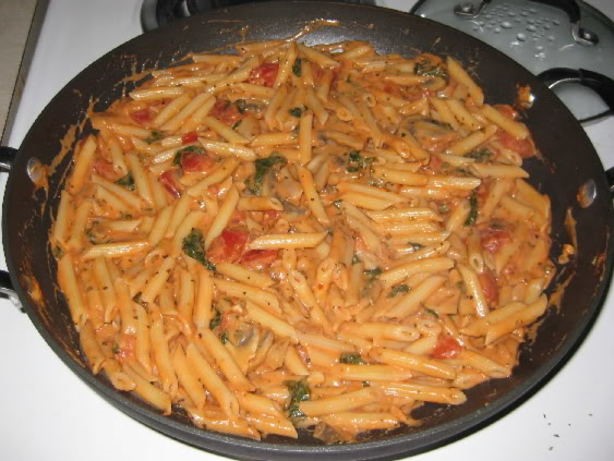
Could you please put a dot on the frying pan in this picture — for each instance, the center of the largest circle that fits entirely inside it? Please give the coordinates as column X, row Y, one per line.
column 569, row 171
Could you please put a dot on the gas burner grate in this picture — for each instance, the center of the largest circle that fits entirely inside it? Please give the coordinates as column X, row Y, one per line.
column 156, row 13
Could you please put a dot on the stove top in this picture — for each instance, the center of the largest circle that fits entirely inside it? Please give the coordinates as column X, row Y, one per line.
column 156, row 13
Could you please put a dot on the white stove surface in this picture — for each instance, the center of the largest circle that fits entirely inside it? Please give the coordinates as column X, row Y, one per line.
column 50, row 414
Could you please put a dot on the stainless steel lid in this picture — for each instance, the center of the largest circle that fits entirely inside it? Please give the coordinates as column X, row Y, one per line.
column 540, row 35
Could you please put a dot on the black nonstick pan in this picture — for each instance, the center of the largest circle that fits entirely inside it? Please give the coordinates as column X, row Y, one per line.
column 568, row 170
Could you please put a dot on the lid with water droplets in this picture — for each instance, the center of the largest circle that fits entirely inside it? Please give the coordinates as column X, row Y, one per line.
column 539, row 36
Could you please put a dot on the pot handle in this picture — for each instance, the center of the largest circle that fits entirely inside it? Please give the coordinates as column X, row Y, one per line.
column 7, row 155
column 601, row 84
column 7, row 291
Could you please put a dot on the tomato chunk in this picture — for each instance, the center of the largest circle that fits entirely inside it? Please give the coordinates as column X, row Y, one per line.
column 189, row 138
column 447, row 348
column 125, row 349
column 168, row 179
column 258, row 259
column 493, row 238
column 226, row 112
column 523, row 147
column 142, row 116
column 488, row 282
column 265, row 74
column 194, row 162
column 507, row 110
column 105, row 169
column 228, row 246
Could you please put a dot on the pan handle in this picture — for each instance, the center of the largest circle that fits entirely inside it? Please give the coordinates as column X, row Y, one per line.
column 7, row 155
column 601, row 84
column 7, row 291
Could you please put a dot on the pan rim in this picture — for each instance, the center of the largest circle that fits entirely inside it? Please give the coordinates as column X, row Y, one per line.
column 485, row 417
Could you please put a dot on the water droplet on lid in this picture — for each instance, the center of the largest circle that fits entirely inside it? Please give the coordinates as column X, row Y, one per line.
column 531, row 28
column 521, row 37
column 530, row 21
column 496, row 30
column 539, row 47
column 506, row 25
column 524, row 13
column 547, row 26
column 556, row 22
column 532, row 10
column 551, row 38
column 511, row 13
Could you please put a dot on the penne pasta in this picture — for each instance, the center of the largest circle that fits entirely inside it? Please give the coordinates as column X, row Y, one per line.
column 302, row 237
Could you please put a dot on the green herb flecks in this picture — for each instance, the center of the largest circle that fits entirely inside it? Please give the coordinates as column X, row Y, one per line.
column 244, row 105
column 155, row 135
column 473, row 210
column 193, row 246
column 296, row 112
column 427, row 68
column 481, row 155
column 356, row 162
column 351, row 358
column 355, row 259
column 127, row 182
column 216, row 320
column 398, row 289
column 263, row 166
column 297, row 67
column 299, row 392
column 372, row 274
column 193, row 149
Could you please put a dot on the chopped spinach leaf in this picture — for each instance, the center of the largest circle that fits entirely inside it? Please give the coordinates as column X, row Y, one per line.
column 296, row 112
column 357, row 162
column 185, row 150
column 126, row 181
column 355, row 259
column 398, row 289
column 372, row 274
column 241, row 105
column 299, row 392
column 263, row 166
column 224, row 337
column 244, row 105
column 154, row 136
column 216, row 320
column 193, row 246
column 297, row 67
column 427, row 68
column 351, row 358
column 473, row 210
column 481, row 155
